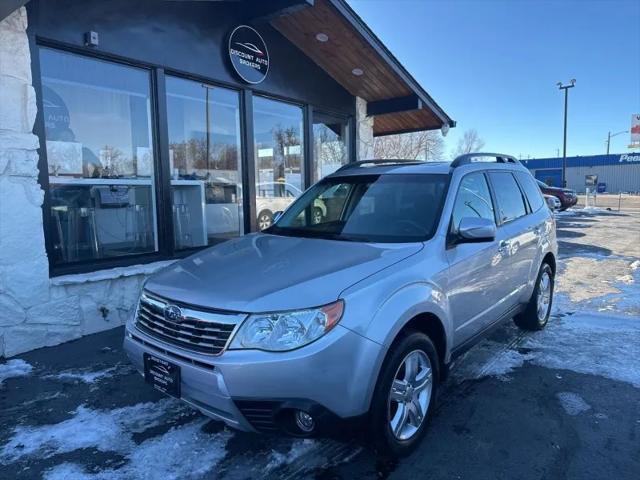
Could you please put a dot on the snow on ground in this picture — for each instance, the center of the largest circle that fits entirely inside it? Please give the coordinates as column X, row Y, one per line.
column 183, row 453
column 587, row 343
column 87, row 375
column 572, row 403
column 14, row 368
column 104, row 430
column 298, row 449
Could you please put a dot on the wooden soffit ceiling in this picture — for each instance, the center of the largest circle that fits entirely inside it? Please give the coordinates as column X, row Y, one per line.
column 351, row 45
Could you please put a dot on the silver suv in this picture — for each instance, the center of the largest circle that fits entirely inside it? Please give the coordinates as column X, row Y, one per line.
column 310, row 323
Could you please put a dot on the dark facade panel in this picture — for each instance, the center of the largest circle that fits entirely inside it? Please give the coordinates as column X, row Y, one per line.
column 186, row 37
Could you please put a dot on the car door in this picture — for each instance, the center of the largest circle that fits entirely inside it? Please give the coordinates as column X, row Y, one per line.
column 517, row 240
column 538, row 222
column 474, row 268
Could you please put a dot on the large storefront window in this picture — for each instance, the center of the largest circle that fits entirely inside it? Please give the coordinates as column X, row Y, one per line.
column 330, row 144
column 100, row 158
column 204, row 157
column 279, row 151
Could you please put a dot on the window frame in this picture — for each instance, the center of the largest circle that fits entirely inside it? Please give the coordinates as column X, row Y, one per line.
column 451, row 231
column 350, row 133
column 499, row 221
column 530, row 208
column 163, row 126
column 156, row 114
column 160, row 141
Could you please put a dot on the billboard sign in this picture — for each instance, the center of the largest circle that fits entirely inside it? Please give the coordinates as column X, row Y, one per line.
column 591, row 180
column 635, row 130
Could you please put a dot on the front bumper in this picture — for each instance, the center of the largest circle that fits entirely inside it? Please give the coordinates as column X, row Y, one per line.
column 332, row 378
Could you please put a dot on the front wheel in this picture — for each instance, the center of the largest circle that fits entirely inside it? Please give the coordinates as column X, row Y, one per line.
column 265, row 219
column 537, row 311
column 405, row 395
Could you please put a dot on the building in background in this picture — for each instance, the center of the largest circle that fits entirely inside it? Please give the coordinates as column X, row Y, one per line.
column 133, row 133
column 613, row 173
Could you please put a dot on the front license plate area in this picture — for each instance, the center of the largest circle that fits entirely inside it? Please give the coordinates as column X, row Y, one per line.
column 163, row 375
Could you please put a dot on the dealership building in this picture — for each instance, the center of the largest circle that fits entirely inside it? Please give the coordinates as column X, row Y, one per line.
column 606, row 173
column 136, row 133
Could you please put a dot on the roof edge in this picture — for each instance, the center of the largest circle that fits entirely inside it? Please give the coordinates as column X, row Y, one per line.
column 7, row 7
column 363, row 29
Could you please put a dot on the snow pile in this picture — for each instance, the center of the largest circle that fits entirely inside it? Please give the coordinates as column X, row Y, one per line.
column 492, row 359
column 86, row 375
column 297, row 450
column 592, row 344
column 585, row 343
column 572, row 403
column 566, row 213
column 14, row 368
column 104, row 430
column 183, row 453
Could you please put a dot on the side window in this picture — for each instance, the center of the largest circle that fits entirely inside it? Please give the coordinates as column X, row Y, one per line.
column 473, row 199
column 510, row 202
column 531, row 190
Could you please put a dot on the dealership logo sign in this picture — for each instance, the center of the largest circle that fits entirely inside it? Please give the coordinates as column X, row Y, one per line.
column 248, row 54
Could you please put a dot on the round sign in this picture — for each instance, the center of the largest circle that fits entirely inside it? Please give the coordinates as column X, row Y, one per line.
column 248, row 54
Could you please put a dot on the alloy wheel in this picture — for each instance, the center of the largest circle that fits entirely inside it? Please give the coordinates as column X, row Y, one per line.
column 410, row 395
column 264, row 221
column 544, row 295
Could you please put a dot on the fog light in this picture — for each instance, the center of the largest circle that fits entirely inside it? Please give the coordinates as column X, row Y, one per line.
column 304, row 421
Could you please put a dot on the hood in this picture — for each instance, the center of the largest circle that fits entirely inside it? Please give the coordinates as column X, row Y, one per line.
column 261, row 272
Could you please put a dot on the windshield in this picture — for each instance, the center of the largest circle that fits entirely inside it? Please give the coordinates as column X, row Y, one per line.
column 392, row 208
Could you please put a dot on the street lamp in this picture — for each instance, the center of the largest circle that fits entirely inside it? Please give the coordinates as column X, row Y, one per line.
column 566, row 88
column 611, row 135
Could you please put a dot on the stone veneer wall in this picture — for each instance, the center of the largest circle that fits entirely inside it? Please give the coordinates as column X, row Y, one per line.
column 37, row 311
column 364, row 131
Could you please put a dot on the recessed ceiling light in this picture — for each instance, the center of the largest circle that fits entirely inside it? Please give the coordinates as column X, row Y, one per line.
column 357, row 72
column 322, row 37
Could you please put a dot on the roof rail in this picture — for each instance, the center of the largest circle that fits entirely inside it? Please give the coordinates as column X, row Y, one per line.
column 362, row 163
column 468, row 158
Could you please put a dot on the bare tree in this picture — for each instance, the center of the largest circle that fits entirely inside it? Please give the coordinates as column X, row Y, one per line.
column 469, row 142
column 424, row 145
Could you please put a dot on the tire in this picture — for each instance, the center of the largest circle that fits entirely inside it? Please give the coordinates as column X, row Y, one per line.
column 386, row 411
column 265, row 219
column 537, row 311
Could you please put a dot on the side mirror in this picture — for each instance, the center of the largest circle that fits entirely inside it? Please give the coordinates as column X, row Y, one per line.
column 277, row 215
column 473, row 229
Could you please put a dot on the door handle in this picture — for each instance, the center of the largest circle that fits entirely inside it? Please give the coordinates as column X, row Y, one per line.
column 503, row 246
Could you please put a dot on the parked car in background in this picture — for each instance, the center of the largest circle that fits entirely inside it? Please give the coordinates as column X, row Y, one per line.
column 552, row 202
column 356, row 318
column 567, row 197
column 273, row 197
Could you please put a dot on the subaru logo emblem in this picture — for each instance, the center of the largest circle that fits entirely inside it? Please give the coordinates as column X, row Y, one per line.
column 172, row 313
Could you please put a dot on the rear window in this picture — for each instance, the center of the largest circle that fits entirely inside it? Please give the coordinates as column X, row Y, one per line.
column 531, row 190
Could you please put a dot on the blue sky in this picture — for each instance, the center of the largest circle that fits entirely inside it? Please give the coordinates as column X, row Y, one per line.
column 493, row 66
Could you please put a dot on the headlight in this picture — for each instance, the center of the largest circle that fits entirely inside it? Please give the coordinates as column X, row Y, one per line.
column 282, row 331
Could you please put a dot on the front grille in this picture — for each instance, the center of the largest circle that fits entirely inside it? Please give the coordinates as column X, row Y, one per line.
column 196, row 330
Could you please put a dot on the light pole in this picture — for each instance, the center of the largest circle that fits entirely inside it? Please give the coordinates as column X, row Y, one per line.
column 610, row 135
column 566, row 88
